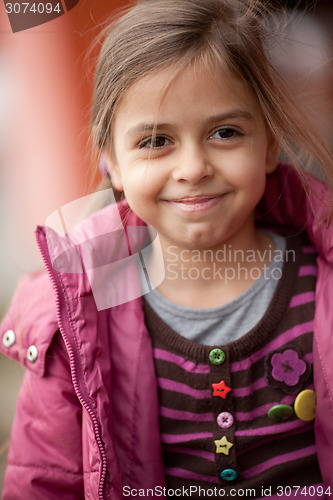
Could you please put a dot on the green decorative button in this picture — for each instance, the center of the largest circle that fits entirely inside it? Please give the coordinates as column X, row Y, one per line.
column 217, row 356
column 280, row 413
column 229, row 474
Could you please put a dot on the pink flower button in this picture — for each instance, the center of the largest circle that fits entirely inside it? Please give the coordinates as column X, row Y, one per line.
column 287, row 369
column 225, row 420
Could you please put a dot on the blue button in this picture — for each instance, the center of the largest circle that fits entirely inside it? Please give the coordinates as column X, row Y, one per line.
column 229, row 474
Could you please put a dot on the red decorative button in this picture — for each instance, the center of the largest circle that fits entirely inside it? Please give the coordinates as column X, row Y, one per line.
column 225, row 420
column 221, row 389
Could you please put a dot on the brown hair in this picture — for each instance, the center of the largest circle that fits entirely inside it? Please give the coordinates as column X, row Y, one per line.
column 154, row 34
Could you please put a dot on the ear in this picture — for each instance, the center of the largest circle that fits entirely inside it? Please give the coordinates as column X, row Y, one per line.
column 114, row 170
column 272, row 153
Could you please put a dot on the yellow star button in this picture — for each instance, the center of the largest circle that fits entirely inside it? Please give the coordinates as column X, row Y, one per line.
column 223, row 445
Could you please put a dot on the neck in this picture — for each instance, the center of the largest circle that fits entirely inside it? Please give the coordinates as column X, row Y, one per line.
column 213, row 276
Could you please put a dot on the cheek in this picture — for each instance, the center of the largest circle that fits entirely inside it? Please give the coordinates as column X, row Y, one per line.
column 249, row 172
column 145, row 181
column 251, row 180
column 256, row 183
column 138, row 194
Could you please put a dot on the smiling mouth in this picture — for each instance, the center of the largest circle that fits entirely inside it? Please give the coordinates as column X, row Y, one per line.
column 195, row 199
column 195, row 203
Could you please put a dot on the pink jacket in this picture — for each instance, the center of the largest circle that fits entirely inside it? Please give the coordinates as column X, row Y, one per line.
column 87, row 416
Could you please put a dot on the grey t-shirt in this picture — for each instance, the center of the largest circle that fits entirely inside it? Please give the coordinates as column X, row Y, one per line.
column 223, row 324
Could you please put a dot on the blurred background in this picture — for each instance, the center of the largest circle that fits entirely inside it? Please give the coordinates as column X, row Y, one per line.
column 45, row 162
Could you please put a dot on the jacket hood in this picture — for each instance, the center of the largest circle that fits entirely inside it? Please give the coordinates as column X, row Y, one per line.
column 297, row 205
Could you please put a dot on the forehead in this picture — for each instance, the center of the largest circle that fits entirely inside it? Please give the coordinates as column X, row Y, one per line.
column 196, row 87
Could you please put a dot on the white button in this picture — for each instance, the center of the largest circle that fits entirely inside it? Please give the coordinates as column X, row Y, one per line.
column 32, row 353
column 9, row 338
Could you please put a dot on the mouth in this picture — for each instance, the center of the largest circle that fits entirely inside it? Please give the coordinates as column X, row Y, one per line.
column 198, row 203
column 195, row 199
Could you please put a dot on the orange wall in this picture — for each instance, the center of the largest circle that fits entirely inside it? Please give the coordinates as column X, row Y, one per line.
column 43, row 124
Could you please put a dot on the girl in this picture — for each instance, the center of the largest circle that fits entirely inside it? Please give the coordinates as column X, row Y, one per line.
column 190, row 333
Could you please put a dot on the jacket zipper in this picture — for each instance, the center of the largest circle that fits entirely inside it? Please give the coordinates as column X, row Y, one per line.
column 78, row 391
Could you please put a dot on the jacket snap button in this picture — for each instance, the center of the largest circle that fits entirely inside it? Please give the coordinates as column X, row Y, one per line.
column 225, row 420
column 229, row 474
column 8, row 338
column 32, row 353
column 217, row 356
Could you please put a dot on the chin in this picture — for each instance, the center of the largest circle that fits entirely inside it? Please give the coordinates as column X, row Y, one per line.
column 201, row 243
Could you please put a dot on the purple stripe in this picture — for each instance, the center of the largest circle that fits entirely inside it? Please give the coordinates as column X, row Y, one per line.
column 262, row 410
column 280, row 459
column 287, row 336
column 302, row 298
column 309, row 249
column 170, row 385
column 186, row 474
column 257, row 412
column 178, row 360
column 183, row 438
column 273, row 429
column 186, row 415
column 270, row 439
column 249, row 389
column 308, row 271
column 207, row 455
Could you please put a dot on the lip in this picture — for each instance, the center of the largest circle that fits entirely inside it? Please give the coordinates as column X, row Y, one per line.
column 198, row 203
column 195, row 199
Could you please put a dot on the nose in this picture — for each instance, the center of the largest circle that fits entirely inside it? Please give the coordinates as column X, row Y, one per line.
column 193, row 165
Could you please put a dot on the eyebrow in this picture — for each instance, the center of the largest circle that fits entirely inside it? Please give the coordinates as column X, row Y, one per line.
column 232, row 114
column 235, row 113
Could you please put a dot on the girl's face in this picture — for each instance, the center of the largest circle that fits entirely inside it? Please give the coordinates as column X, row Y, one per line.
column 198, row 181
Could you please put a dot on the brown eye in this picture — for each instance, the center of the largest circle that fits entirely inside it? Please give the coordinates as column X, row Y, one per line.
column 154, row 142
column 225, row 133
column 158, row 142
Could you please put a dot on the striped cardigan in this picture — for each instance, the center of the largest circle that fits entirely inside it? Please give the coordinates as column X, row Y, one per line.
column 191, row 404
